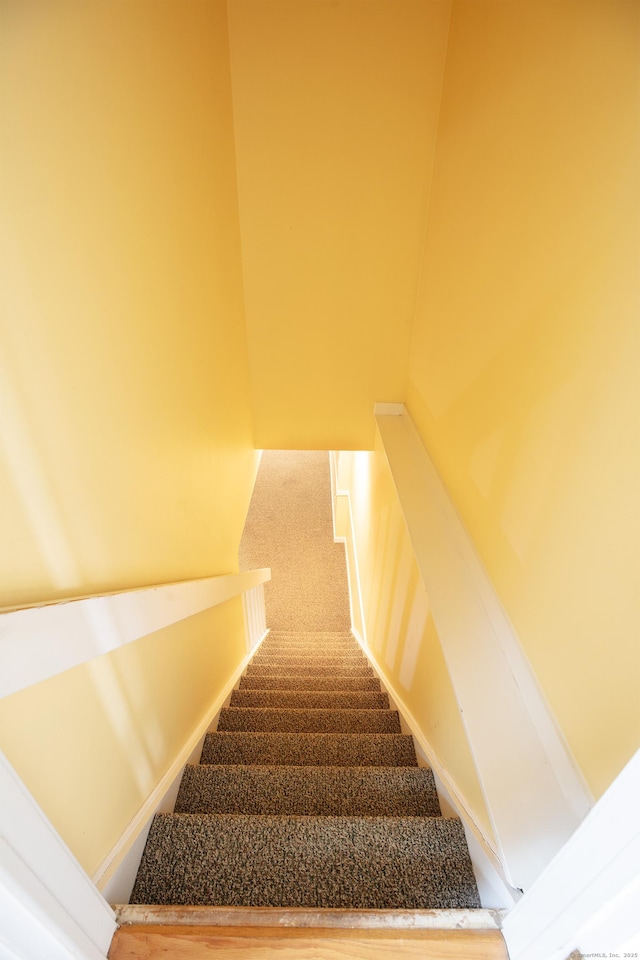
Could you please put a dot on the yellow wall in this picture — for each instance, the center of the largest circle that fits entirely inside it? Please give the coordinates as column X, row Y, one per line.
column 400, row 631
column 336, row 107
column 525, row 358
column 91, row 743
column 126, row 432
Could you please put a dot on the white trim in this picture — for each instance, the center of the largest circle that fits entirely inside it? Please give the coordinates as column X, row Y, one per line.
column 535, row 794
column 116, row 874
column 353, row 576
column 388, row 409
column 588, row 896
column 40, row 642
column 254, row 612
column 52, row 907
column 333, row 479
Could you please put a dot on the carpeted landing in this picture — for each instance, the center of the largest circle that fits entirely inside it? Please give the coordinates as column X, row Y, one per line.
column 307, row 795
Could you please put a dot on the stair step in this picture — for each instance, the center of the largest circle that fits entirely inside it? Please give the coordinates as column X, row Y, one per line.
column 310, row 749
column 311, row 635
column 310, row 660
column 308, row 721
column 284, row 682
column 354, row 862
column 303, row 668
column 311, row 700
column 313, row 642
column 309, row 791
column 299, row 653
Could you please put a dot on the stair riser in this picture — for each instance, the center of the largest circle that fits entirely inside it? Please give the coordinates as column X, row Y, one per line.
column 308, row 791
column 299, row 653
column 314, row 700
column 334, row 663
column 306, row 634
column 310, row 644
column 263, row 719
column 324, row 750
column 305, row 669
column 284, row 682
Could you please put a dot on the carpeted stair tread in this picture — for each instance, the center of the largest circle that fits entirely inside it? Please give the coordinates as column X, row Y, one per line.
column 309, row 791
column 305, row 669
column 277, row 648
column 311, row 635
column 311, row 699
column 279, row 720
column 353, row 862
column 285, row 682
column 320, row 645
column 313, row 656
column 312, row 641
column 306, row 634
column 310, row 749
column 338, row 664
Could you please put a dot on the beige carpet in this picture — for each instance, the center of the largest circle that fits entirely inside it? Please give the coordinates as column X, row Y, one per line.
column 289, row 528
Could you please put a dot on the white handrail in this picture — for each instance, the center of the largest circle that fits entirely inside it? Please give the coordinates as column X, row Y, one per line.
column 534, row 790
column 39, row 642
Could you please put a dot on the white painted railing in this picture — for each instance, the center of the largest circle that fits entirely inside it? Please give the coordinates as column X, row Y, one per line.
column 49, row 906
column 41, row 641
column 534, row 792
column 255, row 620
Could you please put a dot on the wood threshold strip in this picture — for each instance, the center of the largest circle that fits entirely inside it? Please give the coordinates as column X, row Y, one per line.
column 303, row 917
column 148, row 942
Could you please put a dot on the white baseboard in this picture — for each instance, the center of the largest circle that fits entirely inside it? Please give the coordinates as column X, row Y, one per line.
column 116, row 874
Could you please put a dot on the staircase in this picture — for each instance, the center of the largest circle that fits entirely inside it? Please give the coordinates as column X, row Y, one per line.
column 307, row 795
column 307, row 830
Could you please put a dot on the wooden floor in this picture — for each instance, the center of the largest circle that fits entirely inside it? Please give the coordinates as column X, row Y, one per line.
column 163, row 942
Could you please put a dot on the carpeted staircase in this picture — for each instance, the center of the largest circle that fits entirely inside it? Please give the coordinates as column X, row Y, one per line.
column 308, row 794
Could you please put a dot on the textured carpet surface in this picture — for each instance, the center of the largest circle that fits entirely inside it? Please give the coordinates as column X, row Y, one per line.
column 280, row 720
column 282, row 682
column 314, row 640
column 289, row 528
column 357, row 862
column 306, row 669
column 350, row 659
column 311, row 699
column 309, row 791
column 311, row 749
